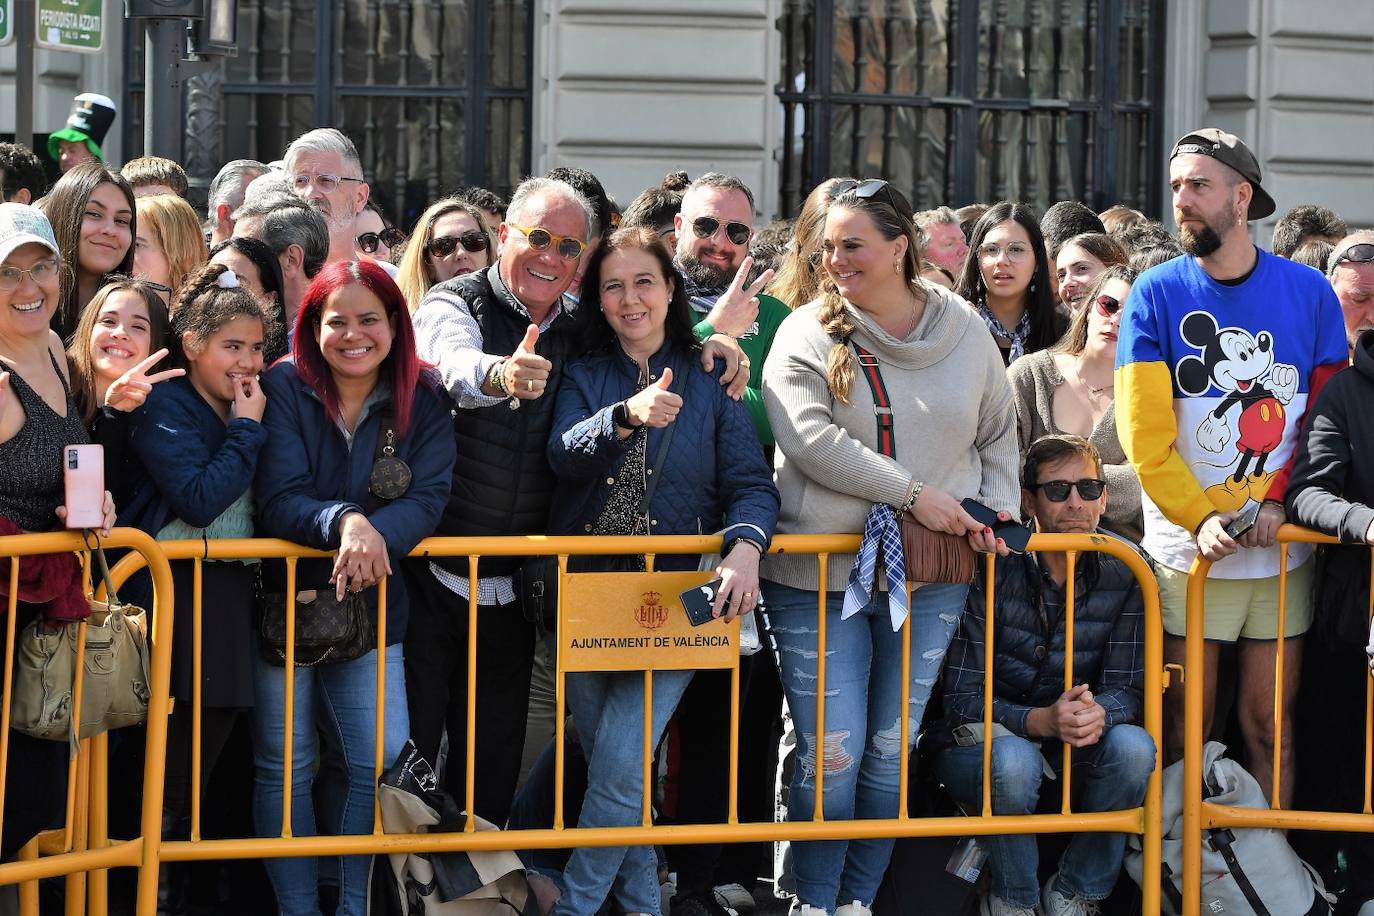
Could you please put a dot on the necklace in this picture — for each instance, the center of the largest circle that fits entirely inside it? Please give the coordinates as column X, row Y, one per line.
column 1094, row 391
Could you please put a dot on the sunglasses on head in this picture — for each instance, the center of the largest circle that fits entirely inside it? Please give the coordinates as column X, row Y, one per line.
column 873, row 187
column 1362, row 253
column 707, row 226
column 1056, row 491
column 1107, row 306
column 569, row 248
column 446, row 245
column 369, row 242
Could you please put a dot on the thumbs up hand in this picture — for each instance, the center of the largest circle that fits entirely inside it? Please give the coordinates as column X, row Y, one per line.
column 525, row 372
column 655, row 405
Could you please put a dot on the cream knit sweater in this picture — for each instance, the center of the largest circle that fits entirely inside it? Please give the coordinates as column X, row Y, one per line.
column 952, row 412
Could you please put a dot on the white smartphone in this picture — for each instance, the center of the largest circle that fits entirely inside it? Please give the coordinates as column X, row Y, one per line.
column 83, row 472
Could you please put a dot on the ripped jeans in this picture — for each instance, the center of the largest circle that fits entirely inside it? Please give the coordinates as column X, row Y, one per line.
column 862, row 753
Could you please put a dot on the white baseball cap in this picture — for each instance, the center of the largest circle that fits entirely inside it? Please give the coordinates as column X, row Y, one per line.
column 21, row 224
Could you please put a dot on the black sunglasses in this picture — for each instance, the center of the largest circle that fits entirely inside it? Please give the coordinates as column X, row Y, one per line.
column 446, row 245
column 707, row 226
column 390, row 237
column 1107, row 305
column 1056, row 491
column 1362, row 253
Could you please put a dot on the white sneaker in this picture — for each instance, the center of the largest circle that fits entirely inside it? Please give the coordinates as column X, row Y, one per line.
column 806, row 909
column 1057, row 903
column 992, row 905
column 853, row 909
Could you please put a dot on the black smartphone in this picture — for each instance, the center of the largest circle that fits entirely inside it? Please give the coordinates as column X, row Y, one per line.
column 1014, row 534
column 1238, row 526
column 699, row 601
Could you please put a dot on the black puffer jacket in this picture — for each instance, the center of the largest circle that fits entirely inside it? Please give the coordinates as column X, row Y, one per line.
column 1331, row 492
column 1029, row 645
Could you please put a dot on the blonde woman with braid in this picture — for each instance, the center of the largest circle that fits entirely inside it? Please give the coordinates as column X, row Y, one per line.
column 844, row 466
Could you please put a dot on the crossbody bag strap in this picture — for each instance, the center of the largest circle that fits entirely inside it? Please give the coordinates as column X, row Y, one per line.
column 386, row 439
column 882, row 404
column 659, row 457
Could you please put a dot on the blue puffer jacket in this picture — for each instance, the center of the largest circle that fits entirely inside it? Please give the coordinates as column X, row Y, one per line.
column 1029, row 642
column 309, row 477
column 714, row 475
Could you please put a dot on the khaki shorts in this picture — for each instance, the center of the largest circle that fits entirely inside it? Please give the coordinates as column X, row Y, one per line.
column 1239, row 608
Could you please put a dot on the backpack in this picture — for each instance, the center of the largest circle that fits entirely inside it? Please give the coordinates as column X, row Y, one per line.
column 1244, row 870
column 439, row 883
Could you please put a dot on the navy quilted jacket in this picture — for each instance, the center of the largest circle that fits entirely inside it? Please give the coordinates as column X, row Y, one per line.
column 714, row 475
column 1029, row 645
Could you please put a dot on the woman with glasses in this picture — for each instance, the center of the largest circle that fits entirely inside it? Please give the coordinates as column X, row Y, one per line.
column 169, row 245
column 38, row 419
column 1067, row 390
column 878, row 335
column 1006, row 278
column 375, row 237
column 449, row 241
column 93, row 217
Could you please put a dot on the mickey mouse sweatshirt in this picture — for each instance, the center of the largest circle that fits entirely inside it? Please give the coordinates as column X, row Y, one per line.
column 1212, row 382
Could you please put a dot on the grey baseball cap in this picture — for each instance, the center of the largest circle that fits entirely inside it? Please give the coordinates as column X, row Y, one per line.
column 1229, row 150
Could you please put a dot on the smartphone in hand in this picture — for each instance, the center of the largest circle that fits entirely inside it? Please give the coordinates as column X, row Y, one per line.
column 698, row 601
column 83, row 476
column 1239, row 526
column 1014, row 534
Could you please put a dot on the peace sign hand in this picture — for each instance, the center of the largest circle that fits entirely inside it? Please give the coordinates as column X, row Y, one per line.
column 131, row 389
column 736, row 310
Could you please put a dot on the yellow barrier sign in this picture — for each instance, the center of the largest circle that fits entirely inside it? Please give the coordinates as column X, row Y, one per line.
column 635, row 622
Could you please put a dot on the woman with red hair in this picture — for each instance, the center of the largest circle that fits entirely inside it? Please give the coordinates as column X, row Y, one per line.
column 359, row 462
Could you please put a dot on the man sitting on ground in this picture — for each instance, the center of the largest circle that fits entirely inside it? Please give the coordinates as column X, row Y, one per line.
column 1062, row 492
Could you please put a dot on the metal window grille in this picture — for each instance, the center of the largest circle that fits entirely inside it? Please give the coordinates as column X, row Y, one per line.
column 957, row 101
column 434, row 93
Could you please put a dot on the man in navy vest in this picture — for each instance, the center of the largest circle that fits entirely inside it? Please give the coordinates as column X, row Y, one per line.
column 1033, row 715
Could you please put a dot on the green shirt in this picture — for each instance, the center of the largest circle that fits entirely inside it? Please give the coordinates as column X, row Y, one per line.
column 755, row 343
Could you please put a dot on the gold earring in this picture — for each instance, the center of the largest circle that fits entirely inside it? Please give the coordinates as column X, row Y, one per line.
column 896, row 267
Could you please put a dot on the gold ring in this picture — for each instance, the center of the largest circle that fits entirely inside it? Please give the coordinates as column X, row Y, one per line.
column 529, row 384
column 748, row 594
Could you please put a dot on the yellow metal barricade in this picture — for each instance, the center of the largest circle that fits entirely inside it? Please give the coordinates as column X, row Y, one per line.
column 82, row 845
column 646, row 599
column 1200, row 815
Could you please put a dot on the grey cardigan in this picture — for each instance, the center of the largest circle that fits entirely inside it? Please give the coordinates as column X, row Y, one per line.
column 1033, row 380
column 955, row 427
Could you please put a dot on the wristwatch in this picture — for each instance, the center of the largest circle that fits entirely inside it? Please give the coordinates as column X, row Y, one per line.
column 496, row 377
column 620, row 416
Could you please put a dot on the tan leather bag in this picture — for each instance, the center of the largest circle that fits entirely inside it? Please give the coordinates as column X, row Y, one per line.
column 934, row 556
column 114, row 687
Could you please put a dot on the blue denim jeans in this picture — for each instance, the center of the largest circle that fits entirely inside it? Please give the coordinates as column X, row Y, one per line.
column 862, row 746
column 608, row 709
column 1113, row 774
column 340, row 697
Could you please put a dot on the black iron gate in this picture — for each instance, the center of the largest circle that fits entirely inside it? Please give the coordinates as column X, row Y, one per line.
column 434, row 93
column 966, row 100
